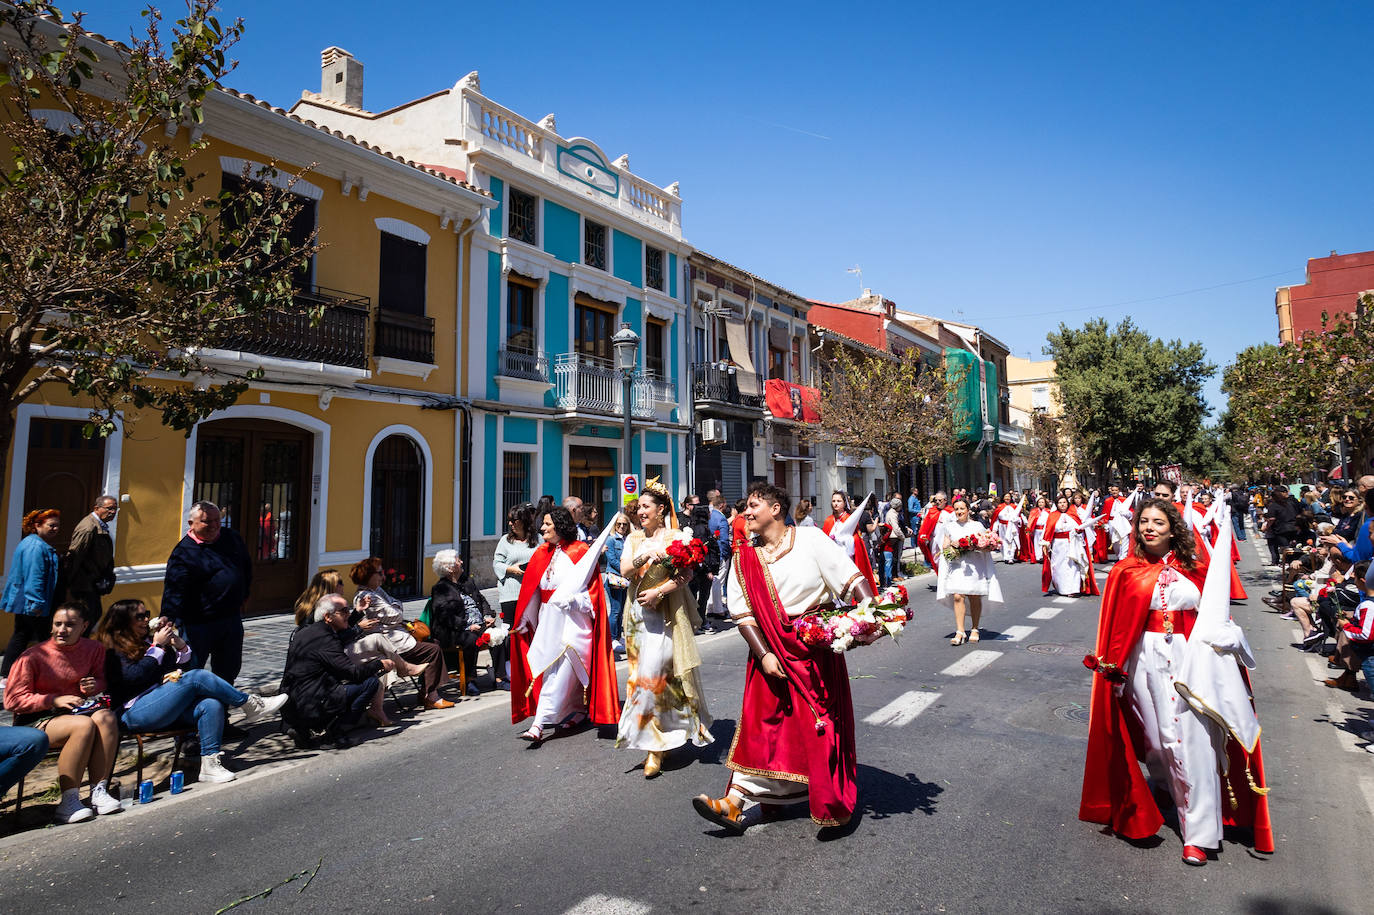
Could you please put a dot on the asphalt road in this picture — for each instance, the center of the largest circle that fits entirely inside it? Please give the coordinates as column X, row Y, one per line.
column 970, row 761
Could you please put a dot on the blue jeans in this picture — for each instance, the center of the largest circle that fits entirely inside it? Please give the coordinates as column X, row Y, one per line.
column 1238, row 522
column 219, row 643
column 359, row 697
column 198, row 698
column 615, row 609
column 20, row 750
column 1367, row 665
column 889, row 566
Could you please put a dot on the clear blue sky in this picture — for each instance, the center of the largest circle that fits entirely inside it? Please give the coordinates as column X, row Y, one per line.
column 997, row 163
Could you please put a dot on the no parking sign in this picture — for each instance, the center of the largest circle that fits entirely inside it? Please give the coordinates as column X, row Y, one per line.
column 629, row 488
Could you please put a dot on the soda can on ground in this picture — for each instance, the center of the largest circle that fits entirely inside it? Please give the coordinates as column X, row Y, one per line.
column 145, row 791
column 178, row 781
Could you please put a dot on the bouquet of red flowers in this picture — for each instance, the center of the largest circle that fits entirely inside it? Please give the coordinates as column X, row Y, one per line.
column 684, row 556
column 846, row 628
column 970, row 543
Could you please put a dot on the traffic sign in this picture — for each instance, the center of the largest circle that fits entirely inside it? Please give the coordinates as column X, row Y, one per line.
column 629, row 488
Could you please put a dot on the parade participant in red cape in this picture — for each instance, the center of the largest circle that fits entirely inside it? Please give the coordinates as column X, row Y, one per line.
column 1100, row 541
column 936, row 513
column 1007, row 524
column 1149, row 608
column 562, row 668
column 839, row 513
column 795, row 737
column 1067, row 568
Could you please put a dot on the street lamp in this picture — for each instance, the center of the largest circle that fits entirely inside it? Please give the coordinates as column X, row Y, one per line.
column 626, row 345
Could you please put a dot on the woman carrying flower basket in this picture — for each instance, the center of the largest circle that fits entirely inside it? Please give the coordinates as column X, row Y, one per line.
column 665, row 706
column 967, row 574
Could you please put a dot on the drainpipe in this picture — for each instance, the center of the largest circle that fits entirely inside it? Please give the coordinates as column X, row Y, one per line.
column 462, row 437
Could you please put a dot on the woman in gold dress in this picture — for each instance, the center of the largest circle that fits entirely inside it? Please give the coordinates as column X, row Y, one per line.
column 664, row 704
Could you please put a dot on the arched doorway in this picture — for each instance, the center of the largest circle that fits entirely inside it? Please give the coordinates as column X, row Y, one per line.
column 258, row 473
column 64, row 471
column 398, row 479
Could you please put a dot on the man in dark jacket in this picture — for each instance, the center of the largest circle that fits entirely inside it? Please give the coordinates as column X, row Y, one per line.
column 90, row 559
column 326, row 689
column 208, row 578
column 1280, row 523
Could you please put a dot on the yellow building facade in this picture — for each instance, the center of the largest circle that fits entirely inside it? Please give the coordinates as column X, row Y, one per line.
column 351, row 443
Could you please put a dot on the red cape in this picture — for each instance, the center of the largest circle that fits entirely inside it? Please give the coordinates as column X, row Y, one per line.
column 1046, row 578
column 1115, row 792
column 801, row 728
column 1025, row 548
column 929, row 518
column 603, row 700
column 1100, row 540
column 860, row 550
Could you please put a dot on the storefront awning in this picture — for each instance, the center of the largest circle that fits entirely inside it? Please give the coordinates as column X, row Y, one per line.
column 737, row 338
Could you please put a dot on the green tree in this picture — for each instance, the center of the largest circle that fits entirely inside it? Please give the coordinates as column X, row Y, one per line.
column 115, row 274
column 901, row 408
column 1048, row 453
column 1135, row 398
column 1288, row 403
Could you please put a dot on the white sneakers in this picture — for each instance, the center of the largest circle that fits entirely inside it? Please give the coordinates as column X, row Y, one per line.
column 618, row 647
column 71, row 810
column 101, row 801
column 212, row 769
column 257, row 708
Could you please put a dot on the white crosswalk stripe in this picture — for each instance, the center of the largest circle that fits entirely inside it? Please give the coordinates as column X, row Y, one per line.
column 902, row 710
column 601, row 904
column 1015, row 633
column 1061, row 599
column 971, row 663
column 1046, row 613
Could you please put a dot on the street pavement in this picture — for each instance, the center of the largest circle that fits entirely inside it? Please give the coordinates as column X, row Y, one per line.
column 970, row 761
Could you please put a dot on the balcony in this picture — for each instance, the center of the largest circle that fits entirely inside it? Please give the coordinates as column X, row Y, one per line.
column 585, row 384
column 661, row 389
column 404, row 336
column 339, row 337
column 514, row 363
column 715, row 386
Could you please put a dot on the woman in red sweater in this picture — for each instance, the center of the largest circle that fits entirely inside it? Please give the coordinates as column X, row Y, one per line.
column 59, row 687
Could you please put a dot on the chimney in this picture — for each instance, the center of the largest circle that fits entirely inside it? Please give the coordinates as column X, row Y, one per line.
column 341, row 77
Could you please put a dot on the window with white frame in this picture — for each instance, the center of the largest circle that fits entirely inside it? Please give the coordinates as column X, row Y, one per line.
column 653, row 268
column 522, row 223
column 517, row 481
column 594, row 244
column 1040, row 398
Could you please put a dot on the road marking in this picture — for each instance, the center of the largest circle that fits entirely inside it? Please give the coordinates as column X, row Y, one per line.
column 1318, row 668
column 902, row 710
column 1338, row 716
column 1061, row 599
column 971, row 663
column 1014, row 633
column 1046, row 613
column 601, row 904
column 1367, row 786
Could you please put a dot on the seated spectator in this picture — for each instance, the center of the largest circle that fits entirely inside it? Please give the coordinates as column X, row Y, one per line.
column 59, row 687
column 154, row 685
column 326, row 690
column 1355, row 637
column 459, row 613
column 20, row 750
column 389, row 616
column 325, row 581
column 1307, row 598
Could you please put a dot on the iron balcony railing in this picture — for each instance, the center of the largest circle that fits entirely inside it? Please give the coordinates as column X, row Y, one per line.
column 404, row 336
column 587, row 384
column 514, row 363
column 338, row 338
column 713, row 382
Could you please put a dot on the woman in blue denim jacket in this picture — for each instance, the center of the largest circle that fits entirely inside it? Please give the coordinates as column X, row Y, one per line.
column 31, row 585
column 615, row 583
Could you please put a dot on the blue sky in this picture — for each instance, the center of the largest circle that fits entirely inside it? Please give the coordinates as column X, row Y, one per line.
column 1000, row 164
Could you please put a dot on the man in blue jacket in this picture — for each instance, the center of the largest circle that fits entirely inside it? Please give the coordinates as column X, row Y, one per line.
column 209, row 575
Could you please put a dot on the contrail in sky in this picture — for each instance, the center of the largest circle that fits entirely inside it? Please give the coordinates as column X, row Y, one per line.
column 818, row 136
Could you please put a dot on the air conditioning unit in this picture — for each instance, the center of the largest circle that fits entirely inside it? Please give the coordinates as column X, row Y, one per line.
column 712, row 431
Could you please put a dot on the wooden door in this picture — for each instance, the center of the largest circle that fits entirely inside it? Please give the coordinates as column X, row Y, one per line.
column 64, row 471
column 257, row 472
column 398, row 479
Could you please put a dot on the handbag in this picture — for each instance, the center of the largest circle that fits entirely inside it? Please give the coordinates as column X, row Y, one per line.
column 418, row 630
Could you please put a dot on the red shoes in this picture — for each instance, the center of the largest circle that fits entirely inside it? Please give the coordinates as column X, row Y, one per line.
column 1194, row 856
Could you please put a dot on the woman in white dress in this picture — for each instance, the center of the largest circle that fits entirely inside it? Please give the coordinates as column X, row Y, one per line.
column 965, row 581
column 1037, row 534
column 665, row 706
column 1066, row 553
column 1007, row 523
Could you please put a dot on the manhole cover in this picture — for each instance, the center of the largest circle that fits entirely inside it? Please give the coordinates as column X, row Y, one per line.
column 1047, row 649
column 1077, row 713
